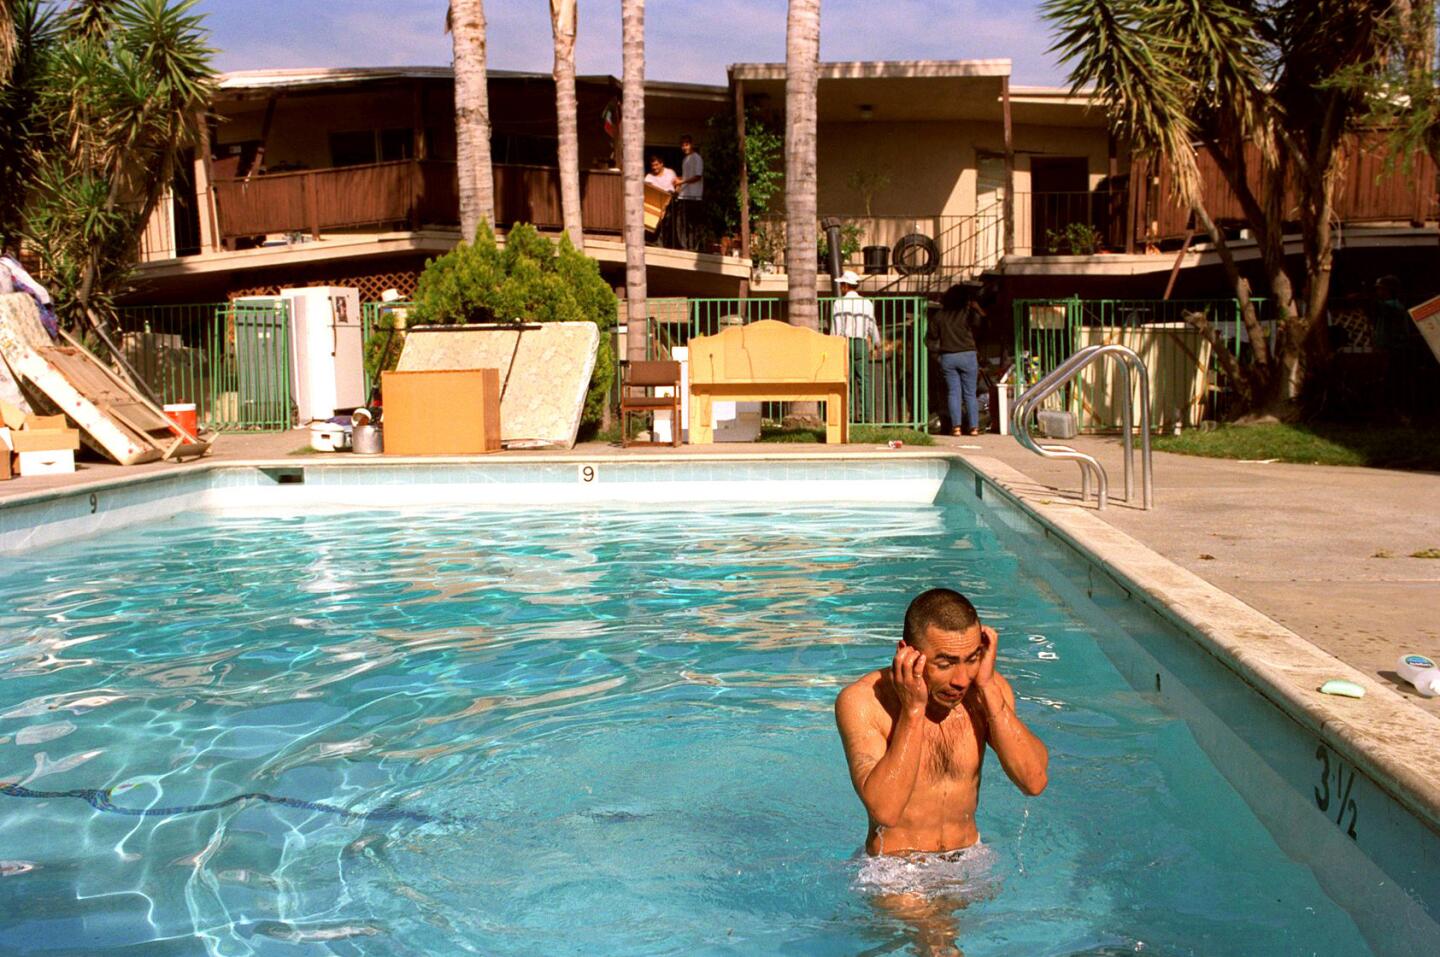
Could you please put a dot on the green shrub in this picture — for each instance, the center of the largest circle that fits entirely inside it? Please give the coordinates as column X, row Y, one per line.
column 530, row 280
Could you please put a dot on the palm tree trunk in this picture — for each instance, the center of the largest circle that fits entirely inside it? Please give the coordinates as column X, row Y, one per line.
column 802, row 66
column 562, row 24
column 632, row 126
column 466, row 22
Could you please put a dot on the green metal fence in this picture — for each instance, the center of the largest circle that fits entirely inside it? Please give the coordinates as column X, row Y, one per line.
column 231, row 359
column 1187, row 383
column 382, row 327
column 889, row 379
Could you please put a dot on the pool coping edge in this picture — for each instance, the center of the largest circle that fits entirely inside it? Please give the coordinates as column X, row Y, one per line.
column 1382, row 733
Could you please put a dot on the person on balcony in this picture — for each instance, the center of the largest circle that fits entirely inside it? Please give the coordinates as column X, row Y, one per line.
column 689, row 192
column 952, row 337
column 664, row 179
column 853, row 316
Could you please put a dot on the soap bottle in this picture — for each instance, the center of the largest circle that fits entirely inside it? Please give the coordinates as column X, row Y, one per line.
column 1420, row 672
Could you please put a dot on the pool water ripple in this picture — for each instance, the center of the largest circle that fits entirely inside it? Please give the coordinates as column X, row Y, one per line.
column 564, row 731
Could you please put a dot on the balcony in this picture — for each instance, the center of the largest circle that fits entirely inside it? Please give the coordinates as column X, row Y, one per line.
column 1071, row 223
column 409, row 194
column 963, row 245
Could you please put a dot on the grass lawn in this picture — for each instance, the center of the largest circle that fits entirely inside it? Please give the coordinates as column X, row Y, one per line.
column 859, row 435
column 1391, row 447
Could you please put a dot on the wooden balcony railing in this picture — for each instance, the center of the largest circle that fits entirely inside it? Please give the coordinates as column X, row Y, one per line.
column 1372, row 189
column 405, row 194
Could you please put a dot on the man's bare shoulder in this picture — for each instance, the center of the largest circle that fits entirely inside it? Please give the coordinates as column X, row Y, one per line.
column 864, row 698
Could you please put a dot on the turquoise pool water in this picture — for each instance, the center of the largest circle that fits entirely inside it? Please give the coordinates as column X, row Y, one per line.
column 571, row 732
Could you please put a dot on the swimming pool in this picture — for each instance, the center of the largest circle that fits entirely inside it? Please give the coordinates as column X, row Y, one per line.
column 584, row 729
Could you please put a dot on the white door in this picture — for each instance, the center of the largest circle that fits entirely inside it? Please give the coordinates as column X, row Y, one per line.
column 989, row 211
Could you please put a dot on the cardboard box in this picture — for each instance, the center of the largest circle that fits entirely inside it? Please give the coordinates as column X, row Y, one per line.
column 47, row 462
column 11, row 415
column 45, row 440
column 45, row 433
column 441, row 412
column 45, row 422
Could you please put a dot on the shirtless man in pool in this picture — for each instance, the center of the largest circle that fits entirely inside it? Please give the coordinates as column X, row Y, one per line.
column 915, row 733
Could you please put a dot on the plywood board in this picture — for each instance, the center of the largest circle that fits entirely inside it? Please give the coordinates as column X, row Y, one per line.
column 544, row 371
column 441, row 412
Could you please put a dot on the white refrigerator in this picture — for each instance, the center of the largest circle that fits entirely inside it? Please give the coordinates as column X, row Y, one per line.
column 327, row 350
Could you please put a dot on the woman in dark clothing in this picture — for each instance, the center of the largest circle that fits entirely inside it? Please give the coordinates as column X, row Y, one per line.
column 952, row 337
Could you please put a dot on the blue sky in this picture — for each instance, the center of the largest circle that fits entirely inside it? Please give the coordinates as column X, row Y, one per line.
column 686, row 40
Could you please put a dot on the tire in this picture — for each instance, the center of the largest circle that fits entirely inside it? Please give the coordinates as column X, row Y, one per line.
column 915, row 253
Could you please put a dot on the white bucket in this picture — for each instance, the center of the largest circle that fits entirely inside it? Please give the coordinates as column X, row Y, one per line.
column 329, row 437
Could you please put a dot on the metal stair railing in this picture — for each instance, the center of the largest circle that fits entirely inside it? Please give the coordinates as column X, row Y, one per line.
column 1127, row 362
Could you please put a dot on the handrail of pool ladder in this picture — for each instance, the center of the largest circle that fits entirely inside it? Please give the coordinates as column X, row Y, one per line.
column 1127, row 361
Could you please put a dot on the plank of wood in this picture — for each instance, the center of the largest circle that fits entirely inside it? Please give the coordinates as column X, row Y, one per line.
column 137, row 395
column 100, row 390
column 123, row 406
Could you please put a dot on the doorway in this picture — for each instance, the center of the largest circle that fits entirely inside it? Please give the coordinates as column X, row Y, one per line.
column 989, row 210
column 1059, row 197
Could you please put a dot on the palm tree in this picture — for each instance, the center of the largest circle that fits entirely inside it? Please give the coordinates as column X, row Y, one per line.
column 466, row 22
column 632, row 125
column 562, row 25
column 802, row 67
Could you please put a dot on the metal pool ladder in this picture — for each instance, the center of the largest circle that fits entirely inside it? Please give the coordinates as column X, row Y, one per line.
column 1127, row 361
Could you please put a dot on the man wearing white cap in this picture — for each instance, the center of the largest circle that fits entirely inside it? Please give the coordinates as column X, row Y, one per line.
column 853, row 316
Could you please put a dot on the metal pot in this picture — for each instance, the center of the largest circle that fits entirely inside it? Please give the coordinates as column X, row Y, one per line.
column 367, row 440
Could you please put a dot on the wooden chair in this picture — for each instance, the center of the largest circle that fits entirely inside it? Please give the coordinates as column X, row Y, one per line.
column 645, row 376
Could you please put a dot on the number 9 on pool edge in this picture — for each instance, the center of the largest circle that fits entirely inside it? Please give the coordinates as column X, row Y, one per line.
column 587, row 473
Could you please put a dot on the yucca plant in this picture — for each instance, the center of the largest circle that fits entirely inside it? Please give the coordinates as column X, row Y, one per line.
column 105, row 94
column 1259, row 84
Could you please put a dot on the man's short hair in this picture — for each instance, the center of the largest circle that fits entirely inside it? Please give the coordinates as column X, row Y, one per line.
column 957, row 297
column 944, row 608
column 686, row 138
column 655, row 158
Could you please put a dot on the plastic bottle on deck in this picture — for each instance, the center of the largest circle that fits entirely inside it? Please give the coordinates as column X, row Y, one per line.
column 1420, row 672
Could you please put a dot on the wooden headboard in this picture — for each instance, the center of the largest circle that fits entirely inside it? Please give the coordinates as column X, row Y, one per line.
column 768, row 351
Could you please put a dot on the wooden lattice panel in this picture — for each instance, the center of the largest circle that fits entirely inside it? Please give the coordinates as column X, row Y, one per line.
column 371, row 285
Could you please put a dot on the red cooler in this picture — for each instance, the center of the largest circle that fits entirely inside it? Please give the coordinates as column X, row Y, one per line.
column 183, row 415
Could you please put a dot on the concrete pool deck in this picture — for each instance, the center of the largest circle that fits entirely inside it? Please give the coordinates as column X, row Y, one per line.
column 1324, row 551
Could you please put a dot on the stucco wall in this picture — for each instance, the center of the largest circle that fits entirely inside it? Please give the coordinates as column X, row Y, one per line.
column 932, row 166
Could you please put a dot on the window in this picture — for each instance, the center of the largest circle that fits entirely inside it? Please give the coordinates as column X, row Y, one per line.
column 360, row 147
column 398, row 144
column 524, row 150
column 352, row 149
